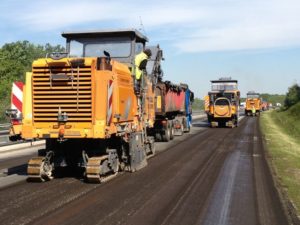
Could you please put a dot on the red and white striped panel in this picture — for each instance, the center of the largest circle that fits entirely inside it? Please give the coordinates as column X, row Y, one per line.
column 17, row 97
column 206, row 102
column 109, row 102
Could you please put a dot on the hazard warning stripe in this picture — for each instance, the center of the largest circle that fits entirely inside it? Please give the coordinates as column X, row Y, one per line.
column 109, row 102
column 17, row 96
column 16, row 104
column 17, row 90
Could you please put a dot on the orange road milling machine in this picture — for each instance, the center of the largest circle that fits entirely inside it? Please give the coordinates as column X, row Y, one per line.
column 84, row 105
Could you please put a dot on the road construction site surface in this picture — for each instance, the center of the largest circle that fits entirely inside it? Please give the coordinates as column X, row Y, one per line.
column 210, row 177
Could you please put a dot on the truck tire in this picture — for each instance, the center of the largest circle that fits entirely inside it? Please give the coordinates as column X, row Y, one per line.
column 188, row 129
column 170, row 126
column 172, row 133
column 167, row 134
column 186, row 126
column 158, row 136
column 181, row 130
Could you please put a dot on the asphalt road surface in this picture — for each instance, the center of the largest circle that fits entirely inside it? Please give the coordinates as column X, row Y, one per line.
column 212, row 177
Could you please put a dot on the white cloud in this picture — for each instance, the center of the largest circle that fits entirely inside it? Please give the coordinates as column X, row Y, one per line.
column 190, row 26
column 271, row 24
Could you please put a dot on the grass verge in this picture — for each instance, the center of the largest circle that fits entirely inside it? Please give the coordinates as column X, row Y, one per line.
column 281, row 132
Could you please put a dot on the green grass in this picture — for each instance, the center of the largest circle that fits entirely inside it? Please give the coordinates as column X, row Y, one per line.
column 198, row 104
column 281, row 131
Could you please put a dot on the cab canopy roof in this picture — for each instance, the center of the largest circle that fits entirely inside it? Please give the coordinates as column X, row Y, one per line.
column 106, row 33
column 224, row 80
column 224, row 84
column 252, row 93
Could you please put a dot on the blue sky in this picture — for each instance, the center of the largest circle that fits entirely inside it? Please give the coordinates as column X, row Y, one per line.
column 254, row 41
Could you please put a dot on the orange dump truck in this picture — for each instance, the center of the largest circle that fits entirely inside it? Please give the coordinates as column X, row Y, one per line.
column 253, row 104
column 83, row 104
column 222, row 103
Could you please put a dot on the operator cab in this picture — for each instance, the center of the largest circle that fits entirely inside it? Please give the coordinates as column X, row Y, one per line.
column 224, row 88
column 122, row 45
column 224, row 84
column 252, row 94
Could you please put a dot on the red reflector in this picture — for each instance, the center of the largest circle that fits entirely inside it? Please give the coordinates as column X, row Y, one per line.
column 61, row 132
column 15, row 122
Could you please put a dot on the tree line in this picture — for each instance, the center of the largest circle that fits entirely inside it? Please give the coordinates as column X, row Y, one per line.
column 292, row 96
column 15, row 60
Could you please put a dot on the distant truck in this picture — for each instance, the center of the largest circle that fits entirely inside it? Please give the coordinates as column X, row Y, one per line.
column 253, row 104
column 243, row 105
column 264, row 106
column 173, row 110
column 222, row 103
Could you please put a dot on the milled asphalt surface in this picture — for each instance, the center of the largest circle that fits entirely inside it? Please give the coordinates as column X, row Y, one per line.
column 14, row 158
column 211, row 176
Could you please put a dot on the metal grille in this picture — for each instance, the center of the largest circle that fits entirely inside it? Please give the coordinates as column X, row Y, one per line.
column 62, row 88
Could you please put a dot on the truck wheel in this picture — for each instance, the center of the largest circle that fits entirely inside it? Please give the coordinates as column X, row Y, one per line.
column 188, row 129
column 172, row 133
column 167, row 134
column 158, row 136
column 181, row 130
column 186, row 126
column 171, row 128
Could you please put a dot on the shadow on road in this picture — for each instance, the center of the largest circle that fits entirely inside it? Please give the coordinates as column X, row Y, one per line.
column 201, row 124
column 19, row 170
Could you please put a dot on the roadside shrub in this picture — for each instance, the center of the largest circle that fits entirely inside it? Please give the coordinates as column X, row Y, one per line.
column 292, row 96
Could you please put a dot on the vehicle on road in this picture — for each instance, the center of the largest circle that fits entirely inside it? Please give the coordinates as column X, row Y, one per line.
column 224, row 101
column 173, row 102
column 83, row 104
column 253, row 104
column 265, row 105
column 173, row 110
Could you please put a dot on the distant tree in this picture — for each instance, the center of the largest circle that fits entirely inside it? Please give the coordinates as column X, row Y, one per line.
column 198, row 104
column 292, row 96
column 49, row 48
column 273, row 98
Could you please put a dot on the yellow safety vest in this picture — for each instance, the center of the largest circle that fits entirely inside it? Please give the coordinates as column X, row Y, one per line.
column 137, row 61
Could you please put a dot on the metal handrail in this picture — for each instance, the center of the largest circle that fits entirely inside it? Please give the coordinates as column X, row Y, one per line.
column 4, row 125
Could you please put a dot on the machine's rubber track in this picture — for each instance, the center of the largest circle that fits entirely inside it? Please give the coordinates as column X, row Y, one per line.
column 152, row 151
column 38, row 170
column 93, row 170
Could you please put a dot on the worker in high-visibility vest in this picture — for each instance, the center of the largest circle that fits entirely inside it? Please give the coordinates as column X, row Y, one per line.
column 253, row 111
column 140, row 62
